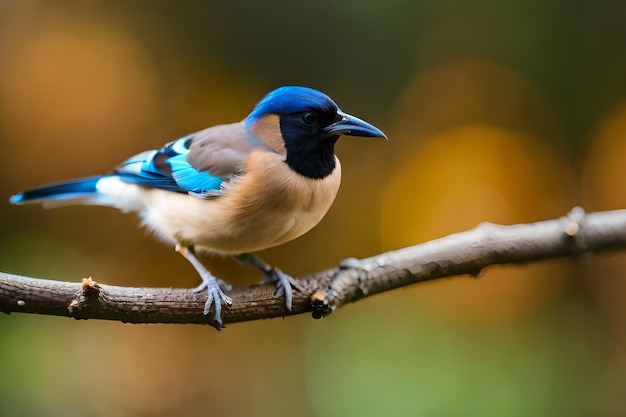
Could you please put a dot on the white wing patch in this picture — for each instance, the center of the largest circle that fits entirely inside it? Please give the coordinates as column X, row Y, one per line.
column 125, row 196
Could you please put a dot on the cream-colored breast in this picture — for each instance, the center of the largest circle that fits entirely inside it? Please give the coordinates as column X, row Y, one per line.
column 267, row 206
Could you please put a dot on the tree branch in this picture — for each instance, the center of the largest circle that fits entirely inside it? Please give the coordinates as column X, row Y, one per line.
column 323, row 292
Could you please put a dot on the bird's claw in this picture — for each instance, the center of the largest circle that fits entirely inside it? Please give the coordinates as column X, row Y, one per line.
column 216, row 297
column 215, row 288
column 285, row 285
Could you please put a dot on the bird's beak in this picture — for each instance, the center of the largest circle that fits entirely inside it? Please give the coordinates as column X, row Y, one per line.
column 353, row 126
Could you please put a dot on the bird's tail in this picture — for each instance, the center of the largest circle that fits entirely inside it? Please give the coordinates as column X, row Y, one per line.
column 106, row 190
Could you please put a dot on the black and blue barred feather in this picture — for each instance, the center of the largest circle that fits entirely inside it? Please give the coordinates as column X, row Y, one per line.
column 168, row 169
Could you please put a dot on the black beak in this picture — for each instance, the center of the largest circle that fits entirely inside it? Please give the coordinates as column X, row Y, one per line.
column 353, row 126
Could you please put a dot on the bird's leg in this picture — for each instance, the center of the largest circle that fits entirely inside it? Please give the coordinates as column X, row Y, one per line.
column 284, row 283
column 213, row 285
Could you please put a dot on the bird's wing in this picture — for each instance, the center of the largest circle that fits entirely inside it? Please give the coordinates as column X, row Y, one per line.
column 197, row 164
column 219, row 150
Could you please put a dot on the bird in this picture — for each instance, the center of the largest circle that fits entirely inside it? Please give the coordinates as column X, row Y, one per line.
column 230, row 189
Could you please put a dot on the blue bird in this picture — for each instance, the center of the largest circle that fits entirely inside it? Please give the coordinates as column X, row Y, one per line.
column 230, row 189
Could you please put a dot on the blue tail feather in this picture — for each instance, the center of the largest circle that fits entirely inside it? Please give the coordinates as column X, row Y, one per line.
column 74, row 189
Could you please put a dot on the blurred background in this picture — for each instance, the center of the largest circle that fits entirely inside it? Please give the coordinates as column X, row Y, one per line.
column 496, row 111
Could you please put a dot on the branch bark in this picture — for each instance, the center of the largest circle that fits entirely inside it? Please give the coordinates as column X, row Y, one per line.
column 323, row 292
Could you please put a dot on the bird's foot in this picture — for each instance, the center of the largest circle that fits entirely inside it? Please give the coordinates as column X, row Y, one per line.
column 216, row 297
column 285, row 284
column 214, row 287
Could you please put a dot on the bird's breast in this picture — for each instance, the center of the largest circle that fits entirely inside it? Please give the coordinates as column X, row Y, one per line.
column 267, row 206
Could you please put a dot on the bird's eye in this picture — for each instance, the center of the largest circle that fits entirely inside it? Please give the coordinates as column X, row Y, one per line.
column 309, row 117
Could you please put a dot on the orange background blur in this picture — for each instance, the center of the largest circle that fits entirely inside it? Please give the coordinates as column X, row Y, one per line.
column 496, row 111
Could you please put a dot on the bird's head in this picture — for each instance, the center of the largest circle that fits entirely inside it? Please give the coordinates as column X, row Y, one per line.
column 305, row 124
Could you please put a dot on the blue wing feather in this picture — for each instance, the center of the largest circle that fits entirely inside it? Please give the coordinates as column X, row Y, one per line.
column 168, row 169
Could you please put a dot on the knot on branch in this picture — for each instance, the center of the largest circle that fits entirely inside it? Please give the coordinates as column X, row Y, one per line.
column 348, row 284
column 90, row 293
column 574, row 222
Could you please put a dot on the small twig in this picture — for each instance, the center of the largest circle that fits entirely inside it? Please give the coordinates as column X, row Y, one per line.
column 458, row 254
